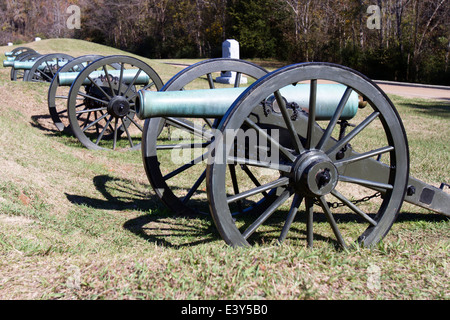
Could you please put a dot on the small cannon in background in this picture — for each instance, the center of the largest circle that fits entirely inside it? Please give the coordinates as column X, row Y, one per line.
column 363, row 173
column 32, row 66
column 92, row 122
column 19, row 54
column 99, row 100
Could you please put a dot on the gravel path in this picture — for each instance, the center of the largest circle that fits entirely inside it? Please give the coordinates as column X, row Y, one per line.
column 416, row 90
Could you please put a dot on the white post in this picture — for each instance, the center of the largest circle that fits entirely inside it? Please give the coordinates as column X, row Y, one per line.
column 230, row 49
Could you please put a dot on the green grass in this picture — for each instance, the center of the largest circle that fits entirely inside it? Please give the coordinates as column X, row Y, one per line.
column 79, row 224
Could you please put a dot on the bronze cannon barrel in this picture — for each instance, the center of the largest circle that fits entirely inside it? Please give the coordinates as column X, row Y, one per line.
column 207, row 103
column 67, row 78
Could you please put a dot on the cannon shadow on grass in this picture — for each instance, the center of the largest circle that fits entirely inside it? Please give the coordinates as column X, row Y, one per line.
column 433, row 108
column 168, row 229
column 157, row 224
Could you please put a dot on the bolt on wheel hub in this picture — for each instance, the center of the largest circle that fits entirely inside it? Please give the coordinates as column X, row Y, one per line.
column 118, row 107
column 314, row 174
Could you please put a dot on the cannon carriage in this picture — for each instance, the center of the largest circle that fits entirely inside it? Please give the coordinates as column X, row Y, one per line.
column 271, row 152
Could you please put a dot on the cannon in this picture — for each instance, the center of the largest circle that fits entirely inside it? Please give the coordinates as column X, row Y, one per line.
column 19, row 50
column 269, row 153
column 101, row 101
column 59, row 87
column 35, row 67
column 58, row 94
column 19, row 56
column 45, row 67
column 180, row 187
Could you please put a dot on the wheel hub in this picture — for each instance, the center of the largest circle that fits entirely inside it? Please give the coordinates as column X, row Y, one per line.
column 118, row 107
column 314, row 174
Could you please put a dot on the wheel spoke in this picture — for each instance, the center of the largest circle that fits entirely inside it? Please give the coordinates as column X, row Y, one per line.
column 182, row 146
column 50, row 68
column 135, row 123
column 91, row 97
column 137, row 92
column 44, row 74
column 287, row 119
column 352, row 206
column 210, row 81
column 309, row 204
column 191, row 127
column 132, row 82
column 363, row 156
column 291, row 216
column 232, row 169
column 99, row 88
column 100, row 137
column 194, row 187
column 109, row 81
column 237, row 81
column 269, row 211
column 255, row 163
column 252, row 177
column 268, row 186
column 85, row 121
column 367, row 183
column 273, row 141
column 341, row 143
column 332, row 222
column 337, row 114
column 130, row 141
column 122, row 66
column 116, row 125
column 311, row 113
column 186, row 166
column 88, row 110
column 95, row 122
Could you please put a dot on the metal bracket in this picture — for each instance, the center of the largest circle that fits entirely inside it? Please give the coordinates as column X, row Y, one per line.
column 443, row 184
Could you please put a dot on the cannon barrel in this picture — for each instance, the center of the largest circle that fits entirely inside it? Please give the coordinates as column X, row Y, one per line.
column 67, row 78
column 27, row 65
column 215, row 103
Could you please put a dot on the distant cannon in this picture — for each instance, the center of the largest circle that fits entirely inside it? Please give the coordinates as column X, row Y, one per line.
column 59, row 88
column 35, row 67
column 45, row 67
column 100, row 103
column 18, row 55
column 19, row 50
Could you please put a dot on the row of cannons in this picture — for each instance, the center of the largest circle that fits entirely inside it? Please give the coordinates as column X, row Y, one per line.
column 308, row 138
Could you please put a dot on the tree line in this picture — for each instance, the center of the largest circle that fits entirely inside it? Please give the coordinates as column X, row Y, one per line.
column 403, row 40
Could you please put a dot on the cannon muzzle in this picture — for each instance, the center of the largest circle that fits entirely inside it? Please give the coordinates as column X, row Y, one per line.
column 8, row 63
column 208, row 103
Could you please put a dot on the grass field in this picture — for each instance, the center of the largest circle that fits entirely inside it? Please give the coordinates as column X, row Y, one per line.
column 82, row 224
